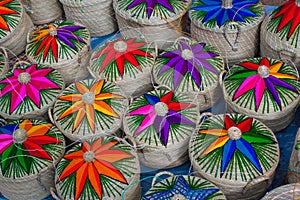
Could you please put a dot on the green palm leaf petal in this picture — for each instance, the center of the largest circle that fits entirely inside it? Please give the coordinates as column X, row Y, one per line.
column 257, row 139
column 22, row 160
column 8, row 153
column 241, row 75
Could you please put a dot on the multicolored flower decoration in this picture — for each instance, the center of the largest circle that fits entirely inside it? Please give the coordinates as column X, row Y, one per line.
column 90, row 162
column 180, row 188
column 6, row 9
column 45, row 42
column 214, row 11
column 24, row 143
column 263, row 77
column 87, row 101
column 10, row 16
column 161, row 113
column 235, row 137
column 27, row 82
column 122, row 54
column 188, row 59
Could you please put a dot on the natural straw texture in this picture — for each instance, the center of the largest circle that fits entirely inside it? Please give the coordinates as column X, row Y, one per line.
column 289, row 191
column 96, row 15
column 42, row 12
column 16, row 40
column 4, row 61
column 235, row 40
column 293, row 175
column 273, row 2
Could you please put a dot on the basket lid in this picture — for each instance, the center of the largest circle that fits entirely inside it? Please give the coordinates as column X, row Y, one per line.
column 97, row 169
column 151, row 12
column 262, row 85
column 29, row 88
column 10, row 16
column 57, row 42
column 121, row 58
column 29, row 146
column 182, row 188
column 284, row 22
column 216, row 14
column 234, row 147
column 188, row 67
column 89, row 107
column 289, row 191
column 161, row 118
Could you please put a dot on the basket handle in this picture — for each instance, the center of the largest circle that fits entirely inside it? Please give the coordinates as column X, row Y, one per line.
column 130, row 140
column 205, row 114
column 183, row 39
column 22, row 62
column 53, row 193
column 253, row 182
column 50, row 115
column 2, row 122
column 232, row 30
column 160, row 174
column 285, row 54
column 6, row 60
column 221, row 77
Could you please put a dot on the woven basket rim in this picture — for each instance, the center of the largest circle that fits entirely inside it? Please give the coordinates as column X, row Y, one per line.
column 83, row 3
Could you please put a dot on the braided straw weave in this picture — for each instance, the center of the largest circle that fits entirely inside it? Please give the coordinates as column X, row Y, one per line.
column 42, row 12
column 235, row 40
column 274, row 45
column 289, row 191
column 239, row 179
column 293, row 175
column 96, row 15
column 16, row 40
column 4, row 61
column 273, row 2
column 156, row 29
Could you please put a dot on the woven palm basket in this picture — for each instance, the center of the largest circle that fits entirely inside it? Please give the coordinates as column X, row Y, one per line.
column 88, row 108
column 43, row 12
column 29, row 90
column 280, row 33
column 29, row 151
column 192, row 68
column 161, row 123
column 4, row 62
column 64, row 45
column 15, row 24
column 293, row 175
column 263, row 88
column 237, row 153
column 96, row 15
column 231, row 26
column 160, row 22
column 273, row 2
column 290, row 191
column 101, row 168
column 182, row 188
column 126, row 62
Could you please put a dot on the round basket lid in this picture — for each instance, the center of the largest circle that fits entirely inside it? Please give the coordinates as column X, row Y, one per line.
column 182, row 188
column 29, row 146
column 290, row 191
column 216, row 14
column 262, row 85
column 284, row 22
column 97, row 169
column 10, row 16
column 234, row 148
column 57, row 42
column 188, row 67
column 160, row 118
column 151, row 12
column 121, row 58
column 89, row 107
column 28, row 89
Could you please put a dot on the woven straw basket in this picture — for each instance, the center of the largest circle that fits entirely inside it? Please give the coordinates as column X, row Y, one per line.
column 43, row 12
column 126, row 62
column 182, row 188
column 237, row 36
column 96, row 15
column 273, row 2
column 4, row 62
column 158, row 24
column 13, row 37
column 63, row 45
column 191, row 68
column 161, row 123
column 111, row 166
column 88, row 108
column 29, row 90
column 294, row 165
column 290, row 191
column 237, row 153
column 281, row 41
column 27, row 164
column 263, row 88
